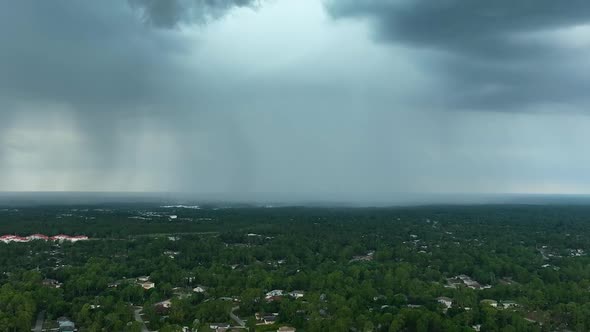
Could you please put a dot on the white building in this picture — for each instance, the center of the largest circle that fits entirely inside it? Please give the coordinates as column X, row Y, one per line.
column 296, row 294
column 447, row 302
column 200, row 289
column 148, row 285
column 274, row 292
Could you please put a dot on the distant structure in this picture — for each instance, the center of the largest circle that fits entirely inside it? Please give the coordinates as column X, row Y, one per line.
column 286, row 329
column 34, row 237
column 66, row 325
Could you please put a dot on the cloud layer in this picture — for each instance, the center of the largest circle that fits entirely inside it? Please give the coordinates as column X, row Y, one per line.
column 169, row 14
column 493, row 55
column 355, row 99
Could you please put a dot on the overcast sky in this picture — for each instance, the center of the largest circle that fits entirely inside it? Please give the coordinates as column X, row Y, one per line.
column 302, row 97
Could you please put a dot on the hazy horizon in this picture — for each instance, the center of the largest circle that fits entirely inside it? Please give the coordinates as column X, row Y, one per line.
column 23, row 199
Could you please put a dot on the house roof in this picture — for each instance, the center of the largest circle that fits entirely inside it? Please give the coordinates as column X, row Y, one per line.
column 286, row 329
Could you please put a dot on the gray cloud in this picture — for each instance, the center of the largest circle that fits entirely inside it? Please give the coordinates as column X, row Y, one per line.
column 482, row 28
column 483, row 50
column 107, row 66
column 210, row 96
column 170, row 13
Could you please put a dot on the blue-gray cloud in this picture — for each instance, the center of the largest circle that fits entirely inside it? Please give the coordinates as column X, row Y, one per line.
column 481, row 49
column 170, row 13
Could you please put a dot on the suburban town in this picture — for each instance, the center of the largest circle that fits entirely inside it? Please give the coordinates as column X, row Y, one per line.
column 260, row 269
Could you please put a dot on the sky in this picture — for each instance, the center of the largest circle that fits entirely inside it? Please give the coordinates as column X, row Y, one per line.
column 310, row 98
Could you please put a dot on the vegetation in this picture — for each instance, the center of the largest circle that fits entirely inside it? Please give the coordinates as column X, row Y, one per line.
column 359, row 269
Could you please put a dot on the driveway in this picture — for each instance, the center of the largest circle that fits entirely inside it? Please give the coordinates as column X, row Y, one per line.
column 39, row 323
column 237, row 319
column 137, row 314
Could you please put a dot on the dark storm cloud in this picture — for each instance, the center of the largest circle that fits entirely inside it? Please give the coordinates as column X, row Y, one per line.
column 108, row 64
column 482, row 49
column 169, row 13
column 481, row 27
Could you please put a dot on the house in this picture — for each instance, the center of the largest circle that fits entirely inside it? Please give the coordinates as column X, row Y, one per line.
column 20, row 239
column 78, row 238
column 269, row 319
column 147, row 285
column 274, row 295
column 509, row 304
column 286, row 329
column 59, row 237
column 363, row 258
column 7, row 238
column 66, row 325
column 266, row 319
column 167, row 304
column 38, row 237
column 143, row 278
column 171, row 254
column 491, row 303
column 447, row 302
column 163, row 308
column 219, row 327
column 51, row 283
column 274, row 292
column 296, row 294
column 200, row 289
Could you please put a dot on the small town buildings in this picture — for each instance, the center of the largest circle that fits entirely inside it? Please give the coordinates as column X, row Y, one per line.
column 6, row 238
column 66, row 325
column 491, row 303
column 447, row 302
column 266, row 319
column 364, row 258
column 147, row 285
column 274, row 292
column 78, row 238
column 167, row 304
column 38, row 237
column 269, row 319
column 509, row 304
column 296, row 294
column 200, row 289
column 286, row 329
column 219, row 327
column 60, row 237
column 51, row 283
column 20, row 239
column 465, row 280
column 63, row 237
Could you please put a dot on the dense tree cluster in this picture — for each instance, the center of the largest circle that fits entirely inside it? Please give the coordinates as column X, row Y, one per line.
column 359, row 269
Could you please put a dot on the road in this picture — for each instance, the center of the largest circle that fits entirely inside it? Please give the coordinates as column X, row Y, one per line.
column 39, row 324
column 237, row 319
column 137, row 314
